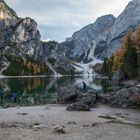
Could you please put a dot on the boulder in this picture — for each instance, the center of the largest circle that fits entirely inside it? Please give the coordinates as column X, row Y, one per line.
column 59, row 130
column 125, row 98
column 88, row 99
column 67, row 94
column 84, row 102
column 78, row 106
column 103, row 98
column 119, row 76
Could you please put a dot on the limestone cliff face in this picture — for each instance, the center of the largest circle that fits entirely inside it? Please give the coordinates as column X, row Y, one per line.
column 103, row 37
column 26, row 36
column 86, row 39
column 128, row 19
column 20, row 33
column 18, row 37
column 8, row 19
column 6, row 13
column 56, row 55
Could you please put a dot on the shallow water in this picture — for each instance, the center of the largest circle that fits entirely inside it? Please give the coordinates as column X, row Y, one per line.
column 42, row 90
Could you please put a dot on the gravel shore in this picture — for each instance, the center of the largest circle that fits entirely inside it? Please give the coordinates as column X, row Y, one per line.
column 39, row 123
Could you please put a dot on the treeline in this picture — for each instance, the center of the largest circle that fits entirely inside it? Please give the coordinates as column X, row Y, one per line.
column 126, row 59
column 21, row 66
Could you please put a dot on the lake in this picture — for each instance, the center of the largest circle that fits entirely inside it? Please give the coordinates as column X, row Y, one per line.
column 32, row 91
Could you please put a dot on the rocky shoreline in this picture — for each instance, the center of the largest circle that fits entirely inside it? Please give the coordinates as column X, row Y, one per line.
column 127, row 97
column 76, row 115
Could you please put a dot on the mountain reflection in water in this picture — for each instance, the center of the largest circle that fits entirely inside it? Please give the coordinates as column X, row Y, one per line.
column 43, row 90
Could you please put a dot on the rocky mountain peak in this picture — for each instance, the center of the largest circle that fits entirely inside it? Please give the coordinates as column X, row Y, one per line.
column 133, row 3
column 128, row 19
column 105, row 18
column 6, row 12
column 87, row 38
column 22, row 32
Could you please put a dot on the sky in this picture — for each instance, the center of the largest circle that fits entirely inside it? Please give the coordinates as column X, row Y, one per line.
column 59, row 19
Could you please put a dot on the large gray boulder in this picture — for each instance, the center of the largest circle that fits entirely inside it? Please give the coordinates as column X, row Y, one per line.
column 119, row 75
column 84, row 102
column 68, row 94
column 78, row 106
column 125, row 98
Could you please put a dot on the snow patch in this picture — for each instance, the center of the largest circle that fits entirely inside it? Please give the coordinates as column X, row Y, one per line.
column 86, row 69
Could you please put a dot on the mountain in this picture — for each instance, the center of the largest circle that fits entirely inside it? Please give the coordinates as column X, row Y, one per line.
column 103, row 37
column 88, row 37
column 23, row 53
column 128, row 19
column 19, row 41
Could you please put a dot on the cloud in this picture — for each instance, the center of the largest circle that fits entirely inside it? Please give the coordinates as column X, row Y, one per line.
column 58, row 19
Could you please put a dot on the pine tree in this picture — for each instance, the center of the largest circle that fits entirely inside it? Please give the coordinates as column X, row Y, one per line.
column 130, row 55
column 105, row 70
column 138, row 48
column 124, row 59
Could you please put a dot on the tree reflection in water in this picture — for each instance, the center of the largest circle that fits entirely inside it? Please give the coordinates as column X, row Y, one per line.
column 42, row 90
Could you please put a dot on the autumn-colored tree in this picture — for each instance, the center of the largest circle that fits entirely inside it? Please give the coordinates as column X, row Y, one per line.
column 125, row 58
column 130, row 56
column 138, row 48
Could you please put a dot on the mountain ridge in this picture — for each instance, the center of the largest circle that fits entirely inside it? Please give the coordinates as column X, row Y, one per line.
column 20, row 37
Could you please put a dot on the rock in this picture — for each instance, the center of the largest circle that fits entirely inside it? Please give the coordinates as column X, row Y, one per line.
column 125, row 98
column 86, row 126
column 88, row 99
column 83, row 102
column 23, row 114
column 119, row 76
column 67, row 94
column 73, row 122
column 94, row 124
column 59, row 130
column 130, row 83
column 103, row 98
column 78, row 106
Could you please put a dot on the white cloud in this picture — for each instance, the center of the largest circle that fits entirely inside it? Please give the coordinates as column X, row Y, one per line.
column 58, row 19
